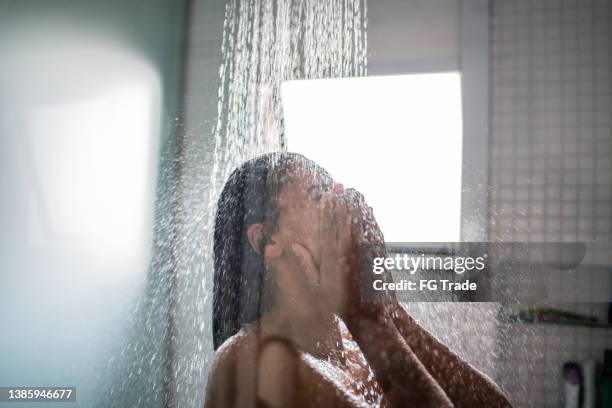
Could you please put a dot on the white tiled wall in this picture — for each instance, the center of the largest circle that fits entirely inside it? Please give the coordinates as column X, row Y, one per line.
column 551, row 146
column 551, row 115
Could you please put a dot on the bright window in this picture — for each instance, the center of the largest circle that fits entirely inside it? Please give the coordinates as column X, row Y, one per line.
column 397, row 139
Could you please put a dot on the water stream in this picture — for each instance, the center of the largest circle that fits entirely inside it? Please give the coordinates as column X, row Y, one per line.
column 265, row 42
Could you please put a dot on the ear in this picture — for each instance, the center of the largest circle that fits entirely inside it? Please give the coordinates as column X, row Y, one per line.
column 255, row 234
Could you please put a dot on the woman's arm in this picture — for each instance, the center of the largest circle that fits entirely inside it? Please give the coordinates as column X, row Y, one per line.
column 221, row 390
column 402, row 377
column 269, row 373
column 400, row 374
column 464, row 385
column 284, row 380
column 461, row 383
column 277, row 375
column 249, row 374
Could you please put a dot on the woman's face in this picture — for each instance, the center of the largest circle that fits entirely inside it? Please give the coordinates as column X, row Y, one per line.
column 300, row 210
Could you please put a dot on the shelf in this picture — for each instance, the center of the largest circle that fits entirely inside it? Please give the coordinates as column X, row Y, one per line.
column 591, row 325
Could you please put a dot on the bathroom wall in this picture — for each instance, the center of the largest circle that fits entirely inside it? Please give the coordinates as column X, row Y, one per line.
column 550, row 169
column 414, row 36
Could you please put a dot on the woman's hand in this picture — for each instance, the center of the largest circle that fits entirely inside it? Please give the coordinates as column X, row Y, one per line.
column 298, row 283
column 369, row 245
column 350, row 239
column 336, row 258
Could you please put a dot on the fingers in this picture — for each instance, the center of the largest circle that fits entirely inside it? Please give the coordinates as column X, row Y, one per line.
column 272, row 251
column 307, row 263
column 344, row 221
column 293, row 270
column 369, row 244
column 335, row 242
column 327, row 239
column 358, row 215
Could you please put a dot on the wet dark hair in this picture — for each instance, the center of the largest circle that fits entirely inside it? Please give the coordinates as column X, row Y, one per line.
column 248, row 197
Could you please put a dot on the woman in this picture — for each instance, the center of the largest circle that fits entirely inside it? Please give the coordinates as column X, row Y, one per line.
column 292, row 252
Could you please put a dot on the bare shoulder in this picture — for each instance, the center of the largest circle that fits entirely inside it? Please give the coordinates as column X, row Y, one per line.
column 233, row 372
column 249, row 368
column 238, row 346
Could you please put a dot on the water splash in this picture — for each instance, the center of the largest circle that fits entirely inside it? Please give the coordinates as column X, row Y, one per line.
column 165, row 356
column 265, row 42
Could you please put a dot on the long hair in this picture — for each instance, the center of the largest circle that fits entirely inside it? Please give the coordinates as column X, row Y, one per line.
column 248, row 197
